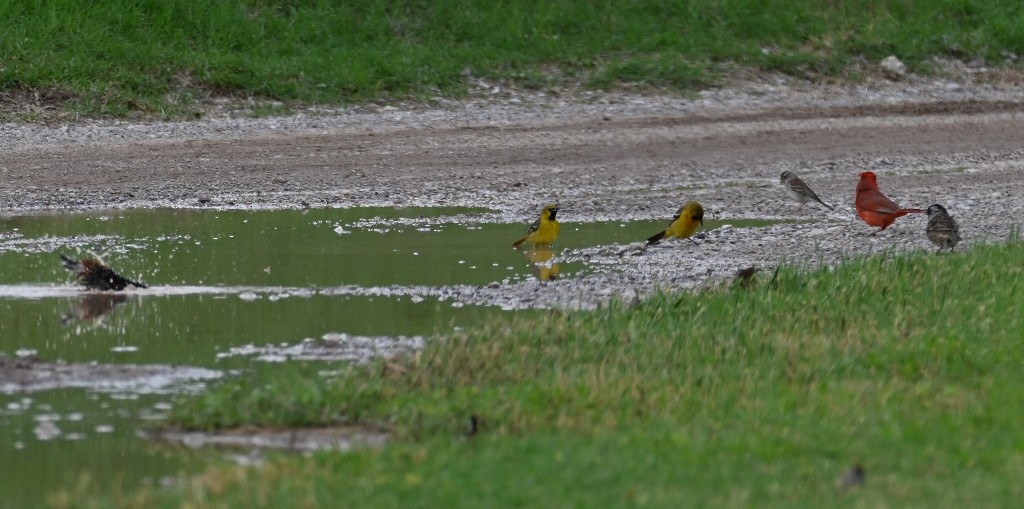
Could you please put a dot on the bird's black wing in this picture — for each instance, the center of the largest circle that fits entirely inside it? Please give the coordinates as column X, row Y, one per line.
column 534, row 227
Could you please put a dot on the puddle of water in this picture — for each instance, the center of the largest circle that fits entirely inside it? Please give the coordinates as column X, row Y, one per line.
column 229, row 289
column 49, row 439
column 193, row 329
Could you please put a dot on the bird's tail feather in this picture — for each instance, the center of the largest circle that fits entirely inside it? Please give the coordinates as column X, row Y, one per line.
column 69, row 263
column 519, row 242
column 654, row 239
column 903, row 212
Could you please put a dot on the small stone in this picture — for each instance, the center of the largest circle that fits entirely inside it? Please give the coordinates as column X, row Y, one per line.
column 893, row 67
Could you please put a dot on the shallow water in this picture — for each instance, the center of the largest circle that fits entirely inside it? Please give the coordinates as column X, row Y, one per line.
column 227, row 289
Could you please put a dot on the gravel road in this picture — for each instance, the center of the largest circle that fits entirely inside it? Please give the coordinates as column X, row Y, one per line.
column 602, row 156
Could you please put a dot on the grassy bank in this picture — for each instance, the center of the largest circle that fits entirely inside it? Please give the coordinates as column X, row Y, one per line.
column 163, row 58
column 909, row 365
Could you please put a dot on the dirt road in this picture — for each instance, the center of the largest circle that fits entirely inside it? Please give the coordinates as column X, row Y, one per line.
column 600, row 156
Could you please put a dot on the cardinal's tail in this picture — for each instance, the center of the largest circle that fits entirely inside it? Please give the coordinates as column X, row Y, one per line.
column 910, row 211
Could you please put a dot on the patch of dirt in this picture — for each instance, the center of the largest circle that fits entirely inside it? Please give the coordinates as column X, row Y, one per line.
column 36, row 103
column 602, row 156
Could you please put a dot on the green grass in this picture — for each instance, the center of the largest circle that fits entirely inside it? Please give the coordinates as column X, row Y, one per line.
column 162, row 58
column 728, row 397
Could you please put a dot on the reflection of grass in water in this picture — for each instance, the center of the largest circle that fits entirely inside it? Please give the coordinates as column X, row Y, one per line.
column 807, row 375
column 99, row 441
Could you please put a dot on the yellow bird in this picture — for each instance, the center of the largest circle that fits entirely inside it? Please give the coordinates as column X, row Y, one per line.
column 683, row 225
column 544, row 230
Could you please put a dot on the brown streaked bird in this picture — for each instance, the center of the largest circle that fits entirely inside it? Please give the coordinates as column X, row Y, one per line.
column 873, row 207
column 942, row 229
column 93, row 275
column 798, row 190
column 852, row 478
column 745, row 277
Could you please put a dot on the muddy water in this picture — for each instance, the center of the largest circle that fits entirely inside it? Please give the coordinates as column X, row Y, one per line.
column 85, row 372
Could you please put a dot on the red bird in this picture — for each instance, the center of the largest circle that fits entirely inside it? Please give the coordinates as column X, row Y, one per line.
column 874, row 207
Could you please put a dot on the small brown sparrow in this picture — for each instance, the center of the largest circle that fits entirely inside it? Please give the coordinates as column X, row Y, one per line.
column 942, row 230
column 798, row 190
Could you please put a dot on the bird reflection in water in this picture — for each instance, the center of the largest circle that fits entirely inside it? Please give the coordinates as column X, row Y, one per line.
column 93, row 307
column 542, row 261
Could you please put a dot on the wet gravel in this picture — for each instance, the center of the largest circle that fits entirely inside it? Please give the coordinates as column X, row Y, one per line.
column 954, row 141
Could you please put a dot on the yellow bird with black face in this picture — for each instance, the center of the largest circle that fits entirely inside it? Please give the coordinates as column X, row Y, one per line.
column 684, row 224
column 544, row 230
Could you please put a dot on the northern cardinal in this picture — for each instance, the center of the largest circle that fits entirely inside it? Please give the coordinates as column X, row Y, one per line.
column 942, row 230
column 874, row 207
column 96, row 276
column 799, row 191
column 683, row 225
